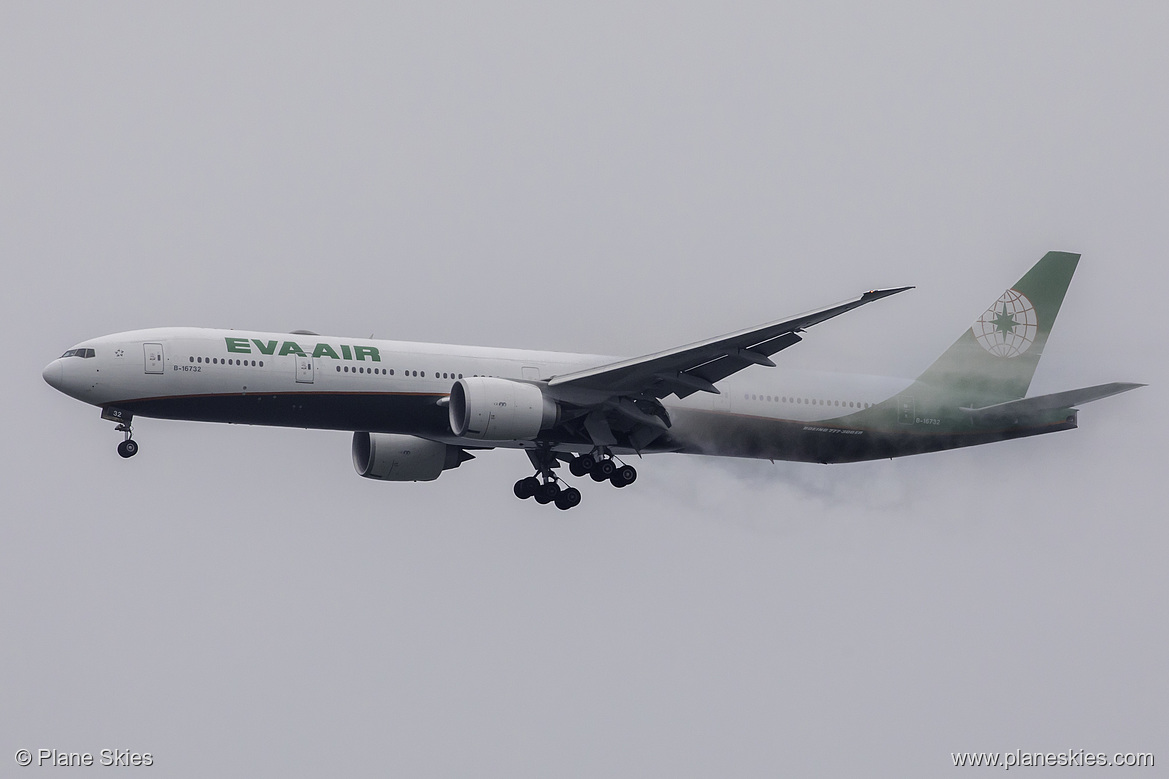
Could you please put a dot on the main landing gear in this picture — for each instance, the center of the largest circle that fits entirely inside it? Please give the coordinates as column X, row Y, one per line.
column 546, row 487
column 603, row 466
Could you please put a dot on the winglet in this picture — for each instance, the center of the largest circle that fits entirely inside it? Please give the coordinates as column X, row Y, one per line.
column 877, row 294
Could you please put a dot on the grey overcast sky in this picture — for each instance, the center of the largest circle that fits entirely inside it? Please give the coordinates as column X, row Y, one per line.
column 600, row 177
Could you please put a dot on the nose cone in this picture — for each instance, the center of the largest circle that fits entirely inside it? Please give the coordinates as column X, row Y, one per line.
column 52, row 374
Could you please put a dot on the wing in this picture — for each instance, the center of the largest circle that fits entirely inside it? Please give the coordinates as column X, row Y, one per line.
column 697, row 366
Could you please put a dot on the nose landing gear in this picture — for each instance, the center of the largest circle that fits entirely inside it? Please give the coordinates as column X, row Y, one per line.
column 128, row 447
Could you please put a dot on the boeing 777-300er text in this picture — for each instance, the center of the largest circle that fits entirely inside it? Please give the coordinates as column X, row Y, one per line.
column 418, row 409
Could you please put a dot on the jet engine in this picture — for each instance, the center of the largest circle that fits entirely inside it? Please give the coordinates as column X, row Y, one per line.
column 393, row 457
column 490, row 409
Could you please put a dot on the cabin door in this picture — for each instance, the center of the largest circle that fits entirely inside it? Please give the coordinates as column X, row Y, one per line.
column 304, row 370
column 906, row 409
column 154, row 358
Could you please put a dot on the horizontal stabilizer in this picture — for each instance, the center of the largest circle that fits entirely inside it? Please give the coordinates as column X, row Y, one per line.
column 1066, row 399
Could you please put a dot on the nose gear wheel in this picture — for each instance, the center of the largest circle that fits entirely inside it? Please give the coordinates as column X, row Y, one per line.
column 128, row 447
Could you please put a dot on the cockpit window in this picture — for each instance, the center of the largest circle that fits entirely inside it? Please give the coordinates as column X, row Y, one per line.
column 78, row 353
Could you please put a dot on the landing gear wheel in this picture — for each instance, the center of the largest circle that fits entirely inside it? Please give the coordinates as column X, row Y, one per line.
column 604, row 469
column 547, row 492
column 582, row 465
column 623, row 476
column 526, row 488
column 568, row 498
column 128, row 448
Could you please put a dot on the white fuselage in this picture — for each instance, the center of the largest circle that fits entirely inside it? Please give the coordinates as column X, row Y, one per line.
column 187, row 362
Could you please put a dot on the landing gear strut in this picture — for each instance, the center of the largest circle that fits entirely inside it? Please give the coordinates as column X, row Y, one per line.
column 546, row 487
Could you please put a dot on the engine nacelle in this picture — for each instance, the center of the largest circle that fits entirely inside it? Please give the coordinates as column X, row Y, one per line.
column 489, row 409
column 393, row 457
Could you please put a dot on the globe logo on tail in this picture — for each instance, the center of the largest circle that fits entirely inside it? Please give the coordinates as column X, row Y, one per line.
column 1008, row 328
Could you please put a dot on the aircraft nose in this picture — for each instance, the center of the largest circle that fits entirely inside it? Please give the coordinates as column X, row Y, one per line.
column 52, row 374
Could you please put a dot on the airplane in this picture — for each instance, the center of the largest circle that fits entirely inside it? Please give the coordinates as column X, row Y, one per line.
column 418, row 409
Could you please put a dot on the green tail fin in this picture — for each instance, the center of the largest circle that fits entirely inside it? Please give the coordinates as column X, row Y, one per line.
column 995, row 359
